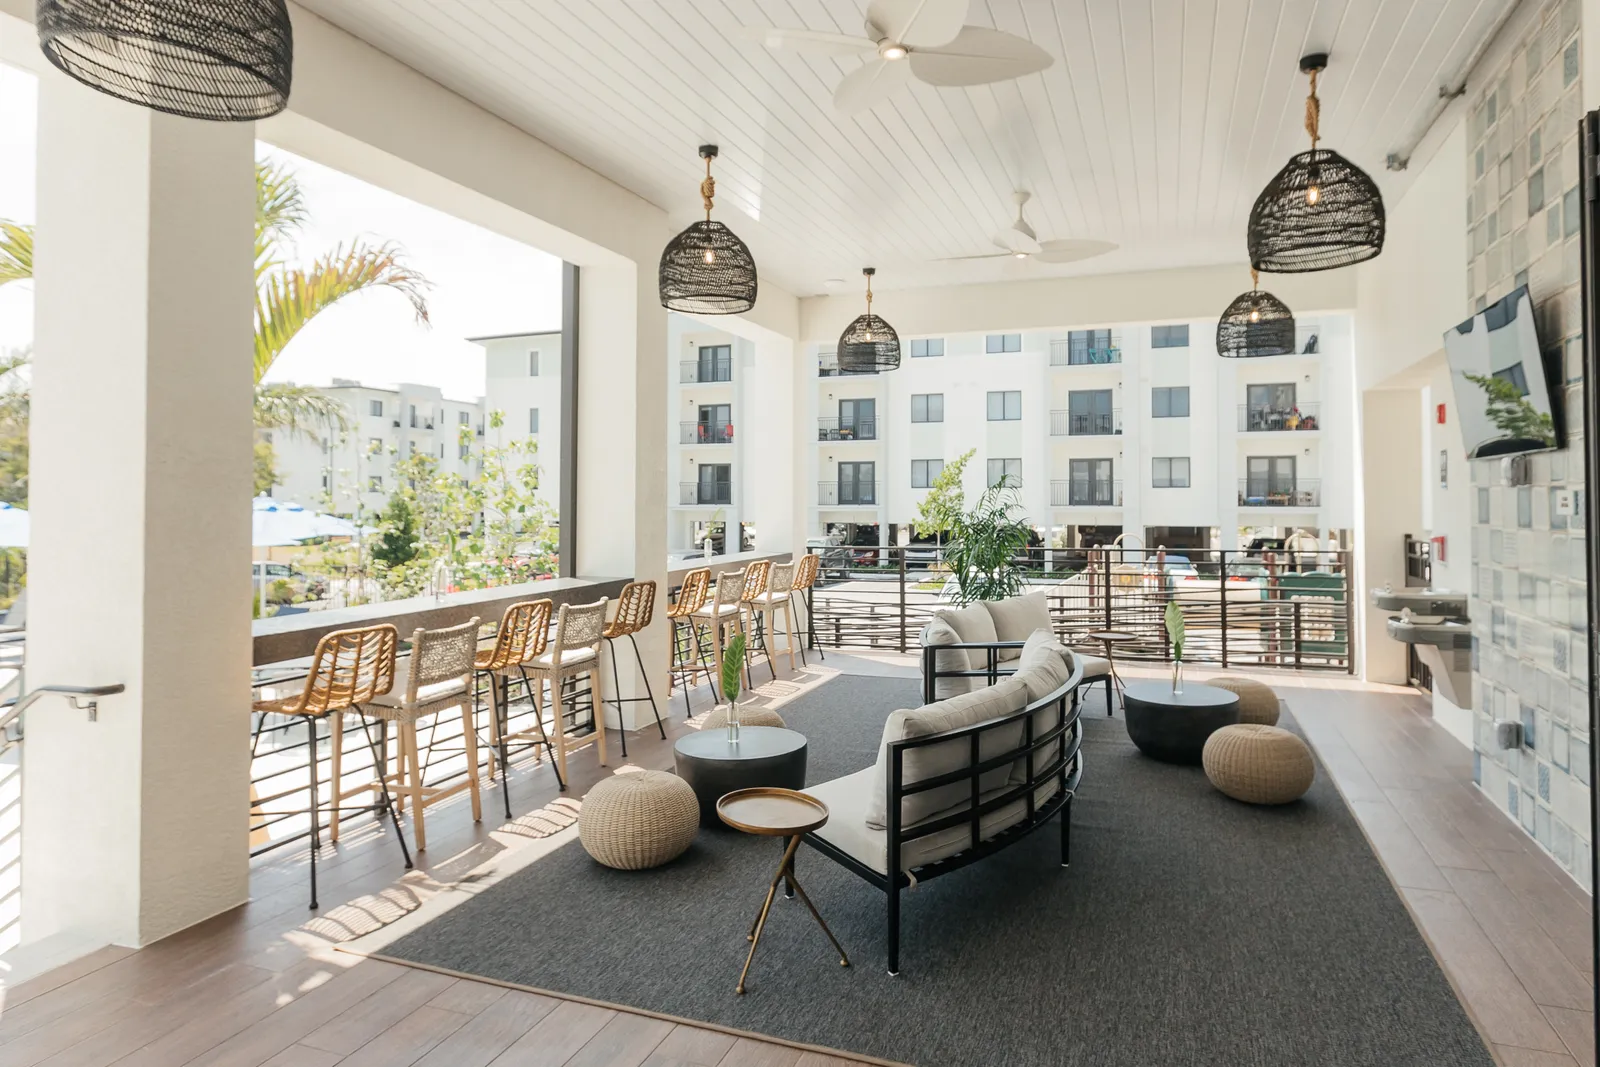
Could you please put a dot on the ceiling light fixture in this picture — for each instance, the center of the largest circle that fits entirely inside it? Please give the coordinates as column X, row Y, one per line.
column 706, row 269
column 1255, row 324
column 891, row 51
column 1320, row 211
column 869, row 344
column 220, row 60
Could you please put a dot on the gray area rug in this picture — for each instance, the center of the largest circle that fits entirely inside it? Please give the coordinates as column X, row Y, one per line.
column 1189, row 930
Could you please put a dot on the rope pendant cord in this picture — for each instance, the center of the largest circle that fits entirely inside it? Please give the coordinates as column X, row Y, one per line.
column 708, row 189
column 1313, row 111
column 1255, row 279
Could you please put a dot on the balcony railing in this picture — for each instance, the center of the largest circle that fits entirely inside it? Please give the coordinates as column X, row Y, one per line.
column 848, row 494
column 1085, row 424
column 705, row 433
column 1262, row 418
column 1090, row 493
column 706, row 370
column 1067, row 354
column 847, row 429
column 1277, row 493
column 697, row 493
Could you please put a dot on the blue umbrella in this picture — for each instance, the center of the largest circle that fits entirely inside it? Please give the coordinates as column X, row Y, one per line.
column 275, row 523
column 13, row 526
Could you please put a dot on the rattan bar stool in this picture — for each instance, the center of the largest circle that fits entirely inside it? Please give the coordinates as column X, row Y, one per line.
column 805, row 576
column 777, row 598
column 438, row 678
column 755, row 587
column 349, row 669
column 688, row 653
column 636, row 608
column 574, row 651
column 521, row 635
column 725, row 609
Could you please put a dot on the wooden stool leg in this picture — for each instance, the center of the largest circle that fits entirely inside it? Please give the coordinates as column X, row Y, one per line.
column 597, row 695
column 413, row 786
column 469, row 741
column 335, row 747
column 788, row 629
column 558, row 703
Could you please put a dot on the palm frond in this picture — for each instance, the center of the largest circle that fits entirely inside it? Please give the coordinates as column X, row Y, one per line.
column 16, row 251
column 280, row 211
column 299, row 409
column 289, row 299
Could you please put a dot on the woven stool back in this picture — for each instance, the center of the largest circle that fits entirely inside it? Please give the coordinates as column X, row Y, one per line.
column 691, row 594
column 350, row 668
column 781, row 578
column 580, row 626
column 730, row 587
column 443, row 655
column 755, row 578
column 636, row 608
column 523, row 631
column 805, row 575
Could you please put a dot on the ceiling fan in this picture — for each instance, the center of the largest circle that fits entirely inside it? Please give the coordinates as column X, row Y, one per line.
column 922, row 40
column 1018, row 241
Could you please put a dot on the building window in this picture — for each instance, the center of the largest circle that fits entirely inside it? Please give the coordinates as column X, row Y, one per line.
column 1002, row 342
column 465, row 449
column 927, row 407
column 413, row 448
column 1170, row 336
column 1091, row 484
column 463, row 417
column 1170, row 472
column 375, row 483
column 1089, row 411
column 924, row 471
column 715, row 363
column 715, row 484
column 533, row 420
column 413, row 416
column 1009, row 469
column 927, row 346
column 533, row 363
column 374, row 446
column 1005, row 406
column 375, row 408
column 1169, row 402
column 858, row 483
column 1086, row 347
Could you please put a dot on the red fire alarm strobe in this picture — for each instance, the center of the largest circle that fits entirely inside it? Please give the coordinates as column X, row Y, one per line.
column 1438, row 542
column 1440, row 415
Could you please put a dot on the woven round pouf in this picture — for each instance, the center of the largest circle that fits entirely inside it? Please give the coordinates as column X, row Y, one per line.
column 718, row 717
column 1258, row 702
column 638, row 820
column 1258, row 764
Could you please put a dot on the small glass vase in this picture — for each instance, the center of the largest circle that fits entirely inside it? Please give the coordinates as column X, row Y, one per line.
column 733, row 723
column 1177, row 677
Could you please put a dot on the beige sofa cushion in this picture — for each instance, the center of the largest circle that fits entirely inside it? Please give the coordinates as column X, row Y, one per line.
column 1043, row 669
column 1093, row 666
column 936, row 633
column 1017, row 617
column 980, row 705
column 975, row 627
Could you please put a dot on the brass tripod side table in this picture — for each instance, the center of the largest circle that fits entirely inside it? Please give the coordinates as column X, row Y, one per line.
column 774, row 812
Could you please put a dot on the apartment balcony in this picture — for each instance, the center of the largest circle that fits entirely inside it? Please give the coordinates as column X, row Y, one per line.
column 1091, row 493
column 1259, row 418
column 705, row 433
column 1066, row 353
column 1272, row 493
column 1080, row 424
column 828, row 367
column 706, row 370
column 849, row 494
column 847, row 429
column 711, row 494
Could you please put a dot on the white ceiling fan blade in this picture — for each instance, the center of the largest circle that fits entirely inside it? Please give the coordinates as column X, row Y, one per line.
column 812, row 42
column 876, row 81
column 1014, row 240
column 988, row 255
column 979, row 56
column 1070, row 250
column 918, row 23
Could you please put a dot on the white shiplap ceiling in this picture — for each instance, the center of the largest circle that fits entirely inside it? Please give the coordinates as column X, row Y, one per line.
column 1155, row 127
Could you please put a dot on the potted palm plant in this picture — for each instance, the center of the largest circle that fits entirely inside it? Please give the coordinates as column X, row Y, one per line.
column 1174, row 621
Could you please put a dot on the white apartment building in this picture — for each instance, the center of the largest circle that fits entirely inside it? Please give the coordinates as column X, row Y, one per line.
column 708, row 395
column 352, row 474
column 1137, row 428
column 522, row 381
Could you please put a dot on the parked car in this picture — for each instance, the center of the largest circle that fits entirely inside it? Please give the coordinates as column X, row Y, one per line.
column 284, row 584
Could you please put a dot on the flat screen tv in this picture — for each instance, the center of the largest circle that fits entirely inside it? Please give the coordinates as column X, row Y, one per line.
column 1502, row 380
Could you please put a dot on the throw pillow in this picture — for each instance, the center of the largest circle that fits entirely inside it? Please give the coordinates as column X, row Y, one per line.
column 975, row 627
column 1015, row 619
column 936, row 633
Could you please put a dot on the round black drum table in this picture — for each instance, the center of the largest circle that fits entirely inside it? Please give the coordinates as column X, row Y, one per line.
column 763, row 755
column 1174, row 726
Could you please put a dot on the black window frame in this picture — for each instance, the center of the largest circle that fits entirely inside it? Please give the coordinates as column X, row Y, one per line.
column 926, row 345
column 1172, row 335
column 1005, row 405
column 929, row 472
column 1006, row 341
column 927, row 407
column 1168, row 392
column 1005, row 470
column 1171, row 481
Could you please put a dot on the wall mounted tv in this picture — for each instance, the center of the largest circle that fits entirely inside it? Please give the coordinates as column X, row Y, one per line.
column 1503, row 381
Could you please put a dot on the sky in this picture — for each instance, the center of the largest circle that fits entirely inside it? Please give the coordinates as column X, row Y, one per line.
column 482, row 283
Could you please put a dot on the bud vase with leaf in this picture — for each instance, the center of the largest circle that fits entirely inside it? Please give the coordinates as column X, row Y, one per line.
column 1174, row 621
column 732, row 672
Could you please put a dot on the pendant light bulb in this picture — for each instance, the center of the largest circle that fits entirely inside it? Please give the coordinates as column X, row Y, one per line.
column 710, row 256
column 1311, row 194
column 1255, row 314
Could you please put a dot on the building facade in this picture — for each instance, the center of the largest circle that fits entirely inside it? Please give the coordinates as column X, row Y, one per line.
column 522, row 383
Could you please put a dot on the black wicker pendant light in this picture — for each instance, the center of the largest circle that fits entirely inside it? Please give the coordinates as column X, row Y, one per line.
column 869, row 344
column 1255, row 324
column 1320, row 211
column 222, row 60
column 706, row 269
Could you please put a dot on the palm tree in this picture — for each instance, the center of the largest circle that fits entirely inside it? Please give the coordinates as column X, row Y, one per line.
column 287, row 297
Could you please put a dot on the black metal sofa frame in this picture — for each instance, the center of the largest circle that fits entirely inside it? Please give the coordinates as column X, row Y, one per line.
column 1066, row 768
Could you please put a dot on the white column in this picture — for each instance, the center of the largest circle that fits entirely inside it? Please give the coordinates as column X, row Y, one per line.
column 770, row 434
column 1391, row 453
column 135, row 826
column 622, row 468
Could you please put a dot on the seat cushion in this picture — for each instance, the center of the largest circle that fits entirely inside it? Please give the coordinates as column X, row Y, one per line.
column 1093, row 666
column 426, row 695
column 980, row 705
column 974, row 626
column 1017, row 617
column 936, row 633
column 1043, row 669
column 569, row 658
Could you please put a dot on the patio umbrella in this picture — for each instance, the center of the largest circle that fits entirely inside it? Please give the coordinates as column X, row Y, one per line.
column 275, row 523
column 13, row 526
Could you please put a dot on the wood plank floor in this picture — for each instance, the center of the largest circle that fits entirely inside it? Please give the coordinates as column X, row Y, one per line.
column 263, row 986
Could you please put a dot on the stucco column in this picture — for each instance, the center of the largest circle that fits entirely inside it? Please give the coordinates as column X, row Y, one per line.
column 1391, row 507
column 771, row 440
column 135, row 826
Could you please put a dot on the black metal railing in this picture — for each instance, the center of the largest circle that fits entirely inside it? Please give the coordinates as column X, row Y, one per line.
column 1086, row 493
column 1241, row 609
column 860, row 429
column 1280, row 493
column 697, row 493
column 1085, row 424
column 706, row 370
column 705, row 433
column 847, row 494
column 1068, row 354
column 1262, row 418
